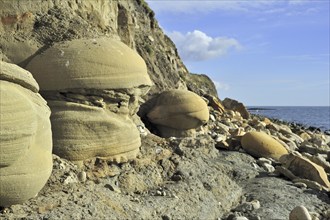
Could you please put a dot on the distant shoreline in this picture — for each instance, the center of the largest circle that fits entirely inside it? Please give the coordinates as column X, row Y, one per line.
column 282, row 114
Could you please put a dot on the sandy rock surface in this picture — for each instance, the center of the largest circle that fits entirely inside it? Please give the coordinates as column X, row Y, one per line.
column 25, row 136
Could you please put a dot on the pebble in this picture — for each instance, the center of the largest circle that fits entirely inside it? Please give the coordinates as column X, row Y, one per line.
column 82, row 176
column 112, row 187
column 70, row 179
column 300, row 185
column 267, row 167
column 240, row 218
column 212, row 118
column 166, row 217
column 248, row 206
column 143, row 131
column 220, row 138
column 262, row 160
column 300, row 213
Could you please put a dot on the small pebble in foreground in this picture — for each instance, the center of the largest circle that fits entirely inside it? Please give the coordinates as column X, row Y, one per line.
column 300, row 213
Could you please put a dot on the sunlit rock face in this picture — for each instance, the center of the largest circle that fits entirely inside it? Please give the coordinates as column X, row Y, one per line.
column 178, row 113
column 25, row 136
column 93, row 87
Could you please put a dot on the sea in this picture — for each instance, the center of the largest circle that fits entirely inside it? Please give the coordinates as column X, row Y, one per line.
column 315, row 116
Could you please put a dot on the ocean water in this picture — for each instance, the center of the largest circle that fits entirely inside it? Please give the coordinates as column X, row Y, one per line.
column 316, row 116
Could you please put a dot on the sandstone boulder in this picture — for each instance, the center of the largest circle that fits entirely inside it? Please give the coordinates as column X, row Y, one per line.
column 101, row 63
column 25, row 136
column 304, row 168
column 93, row 87
column 178, row 113
column 260, row 144
column 82, row 131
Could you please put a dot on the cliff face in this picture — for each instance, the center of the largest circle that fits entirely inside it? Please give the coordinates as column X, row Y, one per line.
column 29, row 27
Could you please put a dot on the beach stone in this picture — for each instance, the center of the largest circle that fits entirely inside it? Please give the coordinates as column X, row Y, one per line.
column 303, row 167
column 178, row 113
column 300, row 185
column 215, row 103
column 299, row 213
column 234, row 105
column 269, row 168
column 305, row 136
column 93, row 87
column 319, row 159
column 248, row 206
column 25, row 136
column 267, row 121
column 259, row 144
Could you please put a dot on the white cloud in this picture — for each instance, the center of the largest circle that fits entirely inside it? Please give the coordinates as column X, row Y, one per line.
column 221, row 86
column 197, row 46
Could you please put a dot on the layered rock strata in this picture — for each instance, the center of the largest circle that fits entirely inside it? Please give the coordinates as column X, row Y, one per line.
column 93, row 87
column 28, row 27
column 25, row 136
column 178, row 113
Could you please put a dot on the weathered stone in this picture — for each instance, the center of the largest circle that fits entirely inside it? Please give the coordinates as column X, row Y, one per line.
column 305, row 168
column 177, row 112
column 101, row 63
column 319, row 160
column 25, row 136
column 93, row 87
column 215, row 103
column 234, row 105
column 259, row 144
column 81, row 132
column 299, row 213
column 305, row 136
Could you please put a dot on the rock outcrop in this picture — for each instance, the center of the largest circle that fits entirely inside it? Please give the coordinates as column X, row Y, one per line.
column 27, row 29
column 93, row 86
column 178, row 113
column 237, row 106
column 25, row 136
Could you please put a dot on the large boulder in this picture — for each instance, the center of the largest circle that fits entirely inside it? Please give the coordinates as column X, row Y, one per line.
column 25, row 136
column 260, row 144
column 304, row 168
column 178, row 113
column 237, row 106
column 83, row 131
column 101, row 63
column 93, row 86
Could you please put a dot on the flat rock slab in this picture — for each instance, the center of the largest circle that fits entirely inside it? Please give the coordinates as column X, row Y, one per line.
column 279, row 197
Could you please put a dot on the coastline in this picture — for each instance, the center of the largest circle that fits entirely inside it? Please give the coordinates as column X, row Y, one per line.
column 298, row 118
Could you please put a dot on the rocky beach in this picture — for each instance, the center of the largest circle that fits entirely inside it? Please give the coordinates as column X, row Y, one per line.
column 100, row 119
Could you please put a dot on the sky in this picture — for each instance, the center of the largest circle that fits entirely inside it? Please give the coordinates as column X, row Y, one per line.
column 259, row 52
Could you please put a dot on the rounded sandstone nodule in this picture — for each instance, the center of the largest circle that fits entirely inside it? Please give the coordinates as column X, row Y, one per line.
column 260, row 144
column 178, row 111
column 92, row 87
column 25, row 136
column 89, row 132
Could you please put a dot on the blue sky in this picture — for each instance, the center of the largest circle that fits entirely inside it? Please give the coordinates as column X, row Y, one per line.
column 260, row 52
